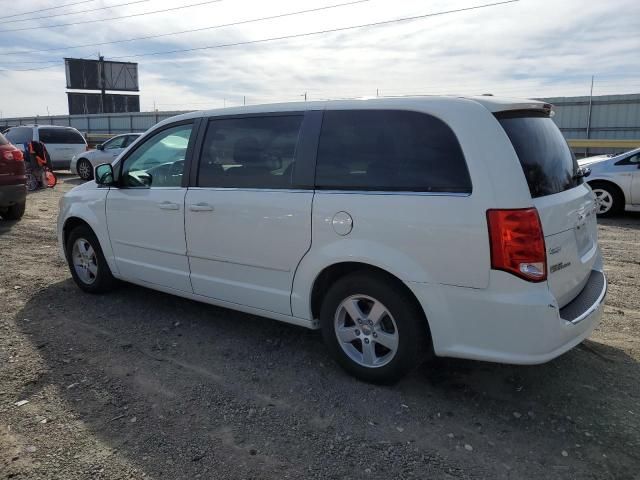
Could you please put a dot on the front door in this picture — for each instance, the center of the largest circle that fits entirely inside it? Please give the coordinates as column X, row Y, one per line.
column 248, row 220
column 110, row 150
column 145, row 215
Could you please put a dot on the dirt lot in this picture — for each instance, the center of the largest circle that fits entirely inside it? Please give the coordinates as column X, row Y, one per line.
column 139, row 384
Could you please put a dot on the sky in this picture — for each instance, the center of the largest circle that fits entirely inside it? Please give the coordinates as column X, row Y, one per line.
column 528, row 48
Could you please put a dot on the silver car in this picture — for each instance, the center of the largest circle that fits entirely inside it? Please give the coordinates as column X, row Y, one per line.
column 615, row 181
column 84, row 162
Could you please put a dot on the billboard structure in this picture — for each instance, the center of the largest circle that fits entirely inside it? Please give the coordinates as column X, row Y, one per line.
column 101, row 75
column 83, row 103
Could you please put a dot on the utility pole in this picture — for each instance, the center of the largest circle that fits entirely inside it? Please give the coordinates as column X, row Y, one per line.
column 377, row 92
column 103, row 94
column 244, row 100
column 586, row 152
column 305, row 96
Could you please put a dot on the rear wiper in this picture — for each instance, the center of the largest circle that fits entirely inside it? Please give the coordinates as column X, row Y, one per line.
column 582, row 172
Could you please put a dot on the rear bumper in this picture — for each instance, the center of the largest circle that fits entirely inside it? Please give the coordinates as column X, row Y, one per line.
column 12, row 194
column 510, row 322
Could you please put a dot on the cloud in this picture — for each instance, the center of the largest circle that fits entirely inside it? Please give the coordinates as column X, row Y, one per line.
column 531, row 48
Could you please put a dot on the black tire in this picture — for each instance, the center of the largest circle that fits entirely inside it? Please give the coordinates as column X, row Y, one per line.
column 413, row 340
column 15, row 211
column 614, row 193
column 88, row 172
column 103, row 280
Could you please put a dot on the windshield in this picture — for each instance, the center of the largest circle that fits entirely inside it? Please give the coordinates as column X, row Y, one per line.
column 547, row 162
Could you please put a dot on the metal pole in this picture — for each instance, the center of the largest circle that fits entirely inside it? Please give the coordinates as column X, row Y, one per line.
column 586, row 151
column 103, row 94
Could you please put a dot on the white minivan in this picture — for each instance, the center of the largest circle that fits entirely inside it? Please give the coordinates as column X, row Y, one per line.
column 401, row 227
column 61, row 142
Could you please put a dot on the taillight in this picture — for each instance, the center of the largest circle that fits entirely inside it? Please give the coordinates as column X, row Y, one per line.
column 517, row 243
column 12, row 155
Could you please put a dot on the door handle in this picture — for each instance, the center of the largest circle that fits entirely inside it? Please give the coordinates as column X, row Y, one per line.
column 200, row 207
column 169, row 206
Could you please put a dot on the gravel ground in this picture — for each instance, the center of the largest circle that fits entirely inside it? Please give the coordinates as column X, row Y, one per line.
column 140, row 384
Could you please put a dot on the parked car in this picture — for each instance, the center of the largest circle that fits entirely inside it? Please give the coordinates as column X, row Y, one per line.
column 13, row 182
column 400, row 227
column 615, row 181
column 84, row 162
column 62, row 142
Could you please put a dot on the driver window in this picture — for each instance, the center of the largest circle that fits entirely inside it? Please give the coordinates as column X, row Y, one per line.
column 159, row 161
column 253, row 152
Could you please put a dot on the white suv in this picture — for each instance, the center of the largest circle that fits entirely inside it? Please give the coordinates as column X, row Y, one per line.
column 61, row 142
column 400, row 227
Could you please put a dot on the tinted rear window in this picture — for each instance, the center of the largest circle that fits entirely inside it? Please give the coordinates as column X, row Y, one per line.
column 548, row 164
column 19, row 135
column 60, row 135
column 3, row 141
column 389, row 150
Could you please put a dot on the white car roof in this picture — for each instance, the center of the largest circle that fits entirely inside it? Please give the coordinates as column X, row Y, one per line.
column 491, row 103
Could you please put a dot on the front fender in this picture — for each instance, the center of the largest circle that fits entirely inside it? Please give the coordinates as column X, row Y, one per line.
column 344, row 250
column 87, row 203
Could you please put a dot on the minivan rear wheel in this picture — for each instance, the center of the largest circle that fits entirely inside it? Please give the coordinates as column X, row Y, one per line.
column 374, row 329
column 609, row 201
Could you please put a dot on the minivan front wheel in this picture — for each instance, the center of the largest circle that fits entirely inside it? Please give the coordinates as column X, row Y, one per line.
column 87, row 264
column 374, row 330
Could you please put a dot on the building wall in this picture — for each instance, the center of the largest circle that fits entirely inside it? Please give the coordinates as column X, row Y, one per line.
column 615, row 117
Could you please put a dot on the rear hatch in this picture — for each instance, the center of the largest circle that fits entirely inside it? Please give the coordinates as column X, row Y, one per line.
column 564, row 202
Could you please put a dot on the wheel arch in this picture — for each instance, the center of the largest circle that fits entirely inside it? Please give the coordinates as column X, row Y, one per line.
column 331, row 273
column 82, row 216
column 71, row 223
column 608, row 182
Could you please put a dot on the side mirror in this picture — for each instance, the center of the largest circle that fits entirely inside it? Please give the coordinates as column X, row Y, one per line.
column 104, row 174
column 100, row 146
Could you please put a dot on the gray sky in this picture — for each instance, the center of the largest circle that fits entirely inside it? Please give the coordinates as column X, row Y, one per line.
column 530, row 48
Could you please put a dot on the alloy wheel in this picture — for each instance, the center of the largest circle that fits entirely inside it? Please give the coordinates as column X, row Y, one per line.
column 84, row 170
column 85, row 261
column 604, row 200
column 366, row 331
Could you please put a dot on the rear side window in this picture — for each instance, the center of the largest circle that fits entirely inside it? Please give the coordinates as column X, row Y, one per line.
column 389, row 150
column 60, row 135
column 251, row 152
column 19, row 135
column 547, row 162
